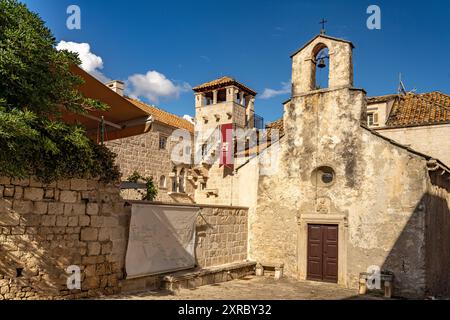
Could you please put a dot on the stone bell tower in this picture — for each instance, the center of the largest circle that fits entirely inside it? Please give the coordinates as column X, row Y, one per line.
column 221, row 102
column 304, row 63
column 327, row 121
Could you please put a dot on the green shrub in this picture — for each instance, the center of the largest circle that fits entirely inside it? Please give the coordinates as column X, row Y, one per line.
column 36, row 87
column 151, row 190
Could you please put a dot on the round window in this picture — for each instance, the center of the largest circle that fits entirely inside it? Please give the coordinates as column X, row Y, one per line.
column 323, row 177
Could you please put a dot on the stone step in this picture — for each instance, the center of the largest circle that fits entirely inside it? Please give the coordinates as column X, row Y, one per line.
column 190, row 279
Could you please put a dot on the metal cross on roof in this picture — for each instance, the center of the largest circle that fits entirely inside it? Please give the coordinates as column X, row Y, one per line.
column 323, row 26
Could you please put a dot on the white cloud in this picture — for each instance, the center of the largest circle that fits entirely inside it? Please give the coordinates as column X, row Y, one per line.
column 270, row 93
column 89, row 62
column 189, row 118
column 154, row 86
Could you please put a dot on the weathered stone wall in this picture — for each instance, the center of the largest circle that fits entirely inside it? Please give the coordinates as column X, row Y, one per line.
column 221, row 238
column 221, row 234
column 46, row 228
column 220, row 180
column 430, row 140
column 141, row 153
column 438, row 234
column 377, row 198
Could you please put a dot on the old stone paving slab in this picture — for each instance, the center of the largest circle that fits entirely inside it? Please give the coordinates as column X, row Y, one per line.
column 255, row 288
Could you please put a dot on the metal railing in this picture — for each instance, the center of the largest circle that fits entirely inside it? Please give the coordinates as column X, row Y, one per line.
column 258, row 121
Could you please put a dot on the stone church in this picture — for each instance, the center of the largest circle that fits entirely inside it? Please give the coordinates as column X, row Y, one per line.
column 340, row 196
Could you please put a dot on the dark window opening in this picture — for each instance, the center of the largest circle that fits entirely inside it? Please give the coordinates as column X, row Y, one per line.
column 162, row 143
column 322, row 74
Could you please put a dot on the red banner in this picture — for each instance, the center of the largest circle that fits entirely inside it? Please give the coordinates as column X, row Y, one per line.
column 227, row 146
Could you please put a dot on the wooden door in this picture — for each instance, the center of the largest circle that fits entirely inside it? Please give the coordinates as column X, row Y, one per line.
column 322, row 253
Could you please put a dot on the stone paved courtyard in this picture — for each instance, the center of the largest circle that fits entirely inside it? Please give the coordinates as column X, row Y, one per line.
column 255, row 288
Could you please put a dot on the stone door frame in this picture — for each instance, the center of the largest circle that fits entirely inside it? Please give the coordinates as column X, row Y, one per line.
column 302, row 247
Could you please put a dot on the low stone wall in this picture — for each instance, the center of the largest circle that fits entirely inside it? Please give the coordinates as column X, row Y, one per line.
column 222, row 234
column 44, row 229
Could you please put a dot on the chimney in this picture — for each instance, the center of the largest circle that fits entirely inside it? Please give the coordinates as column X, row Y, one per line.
column 116, row 86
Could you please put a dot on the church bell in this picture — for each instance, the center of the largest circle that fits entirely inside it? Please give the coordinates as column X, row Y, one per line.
column 321, row 64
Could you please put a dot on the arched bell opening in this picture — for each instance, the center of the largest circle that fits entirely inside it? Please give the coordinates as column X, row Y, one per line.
column 321, row 61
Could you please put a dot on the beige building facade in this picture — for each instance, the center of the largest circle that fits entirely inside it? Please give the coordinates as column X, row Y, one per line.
column 419, row 121
column 150, row 154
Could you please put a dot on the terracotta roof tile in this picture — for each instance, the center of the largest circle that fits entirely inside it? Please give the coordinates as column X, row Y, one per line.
column 380, row 99
column 164, row 116
column 278, row 125
column 420, row 110
column 221, row 82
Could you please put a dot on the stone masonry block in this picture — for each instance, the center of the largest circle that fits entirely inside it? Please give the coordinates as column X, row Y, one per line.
column 5, row 181
column 104, row 234
column 40, row 207
column 48, row 221
column 94, row 248
column 68, row 196
column 74, row 209
column 97, row 221
column 107, row 248
column 49, row 193
column 79, row 184
column 21, row 182
column 35, row 183
column 63, row 184
column 73, row 221
column 8, row 192
column 31, row 219
column 55, row 208
column 92, row 209
column 9, row 219
column 89, row 234
column 34, row 194
column 18, row 192
column 21, row 206
column 61, row 221
column 5, row 205
column 84, row 221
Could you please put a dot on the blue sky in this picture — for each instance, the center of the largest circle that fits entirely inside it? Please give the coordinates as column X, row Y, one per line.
column 178, row 44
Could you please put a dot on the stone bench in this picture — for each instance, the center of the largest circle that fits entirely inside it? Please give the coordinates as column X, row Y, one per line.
column 386, row 280
column 277, row 267
column 193, row 278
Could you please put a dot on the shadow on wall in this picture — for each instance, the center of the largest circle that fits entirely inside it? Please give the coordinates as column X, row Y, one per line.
column 420, row 257
column 44, row 229
column 34, row 259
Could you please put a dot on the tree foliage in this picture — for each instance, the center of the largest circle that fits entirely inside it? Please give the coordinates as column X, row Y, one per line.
column 36, row 87
column 151, row 191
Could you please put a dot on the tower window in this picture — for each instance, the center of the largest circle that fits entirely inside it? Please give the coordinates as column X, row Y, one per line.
column 162, row 182
column 181, row 180
column 322, row 70
column 372, row 119
column 204, row 149
column 162, row 143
